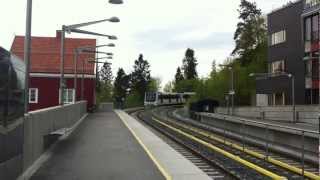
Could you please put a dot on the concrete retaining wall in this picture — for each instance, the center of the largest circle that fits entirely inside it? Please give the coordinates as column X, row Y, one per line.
column 304, row 114
column 106, row 107
column 280, row 139
column 11, row 150
column 40, row 123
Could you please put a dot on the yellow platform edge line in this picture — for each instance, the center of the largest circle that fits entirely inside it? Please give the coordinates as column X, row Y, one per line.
column 166, row 175
column 256, row 154
column 227, row 154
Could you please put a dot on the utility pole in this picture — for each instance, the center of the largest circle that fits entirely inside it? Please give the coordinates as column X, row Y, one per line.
column 76, row 54
column 75, row 29
column 27, row 52
column 232, row 90
column 62, row 51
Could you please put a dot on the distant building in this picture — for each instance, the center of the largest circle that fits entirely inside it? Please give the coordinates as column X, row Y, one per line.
column 45, row 70
column 294, row 48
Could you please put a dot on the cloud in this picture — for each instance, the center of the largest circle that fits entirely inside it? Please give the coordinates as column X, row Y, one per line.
column 177, row 38
column 160, row 29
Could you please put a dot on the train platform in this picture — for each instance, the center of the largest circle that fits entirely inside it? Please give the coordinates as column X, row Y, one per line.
column 113, row 145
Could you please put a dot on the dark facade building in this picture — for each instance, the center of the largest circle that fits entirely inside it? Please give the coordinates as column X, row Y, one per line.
column 293, row 32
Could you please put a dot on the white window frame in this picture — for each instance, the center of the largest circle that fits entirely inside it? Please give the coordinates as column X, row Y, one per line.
column 283, row 99
column 67, row 91
column 36, row 95
column 274, row 67
column 278, row 37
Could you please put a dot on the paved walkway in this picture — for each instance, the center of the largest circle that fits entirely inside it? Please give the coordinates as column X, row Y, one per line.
column 101, row 148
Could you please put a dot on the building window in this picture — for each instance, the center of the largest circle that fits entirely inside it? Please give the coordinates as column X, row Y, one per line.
column 315, row 28
column 311, row 34
column 277, row 99
column 33, row 95
column 68, row 96
column 311, row 3
column 278, row 37
column 277, row 67
column 307, row 31
column 308, row 68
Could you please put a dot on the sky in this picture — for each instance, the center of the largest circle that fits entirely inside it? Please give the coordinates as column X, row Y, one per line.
column 161, row 30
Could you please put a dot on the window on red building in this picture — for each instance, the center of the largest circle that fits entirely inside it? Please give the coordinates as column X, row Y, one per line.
column 68, row 97
column 33, row 95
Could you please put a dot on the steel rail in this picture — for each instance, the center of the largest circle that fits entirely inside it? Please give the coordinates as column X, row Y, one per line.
column 225, row 153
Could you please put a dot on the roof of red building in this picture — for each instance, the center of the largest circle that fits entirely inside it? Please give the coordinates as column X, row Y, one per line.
column 45, row 54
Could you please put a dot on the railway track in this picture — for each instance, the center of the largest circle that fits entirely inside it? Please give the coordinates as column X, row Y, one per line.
column 189, row 152
column 272, row 162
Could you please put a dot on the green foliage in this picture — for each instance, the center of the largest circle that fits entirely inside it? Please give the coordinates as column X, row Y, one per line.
column 106, row 73
column 154, row 84
column 105, row 94
column 130, row 89
column 187, row 80
column 134, row 100
column 251, row 51
column 213, row 68
column 190, row 65
column 179, row 76
column 251, row 31
column 121, row 84
column 186, row 85
column 140, row 77
column 218, row 85
column 104, row 85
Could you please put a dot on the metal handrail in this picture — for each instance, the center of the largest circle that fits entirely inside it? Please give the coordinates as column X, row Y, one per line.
column 267, row 124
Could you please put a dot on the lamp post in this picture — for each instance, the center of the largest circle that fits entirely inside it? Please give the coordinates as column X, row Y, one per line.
column 27, row 48
column 27, row 52
column 83, row 72
column 290, row 76
column 87, row 49
column 74, row 28
column 115, row 1
column 231, row 91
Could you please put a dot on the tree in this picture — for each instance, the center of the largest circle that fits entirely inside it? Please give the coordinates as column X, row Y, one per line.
column 104, row 83
column 121, row 85
column 190, row 65
column 213, row 69
column 106, row 73
column 251, row 30
column 140, row 77
column 179, row 76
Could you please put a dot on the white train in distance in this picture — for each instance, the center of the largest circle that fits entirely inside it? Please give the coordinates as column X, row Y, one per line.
column 162, row 99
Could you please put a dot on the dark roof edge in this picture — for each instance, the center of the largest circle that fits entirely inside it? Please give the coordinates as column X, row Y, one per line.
column 290, row 3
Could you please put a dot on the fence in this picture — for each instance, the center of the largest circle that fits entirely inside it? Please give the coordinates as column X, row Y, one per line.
column 296, row 142
column 304, row 114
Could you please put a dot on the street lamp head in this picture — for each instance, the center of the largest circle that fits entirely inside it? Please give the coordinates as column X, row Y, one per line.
column 107, row 63
column 251, row 75
column 114, row 19
column 113, row 37
column 115, row 1
column 109, row 54
column 289, row 75
column 111, row 45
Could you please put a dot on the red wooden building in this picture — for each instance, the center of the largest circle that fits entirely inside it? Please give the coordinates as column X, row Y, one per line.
column 45, row 70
